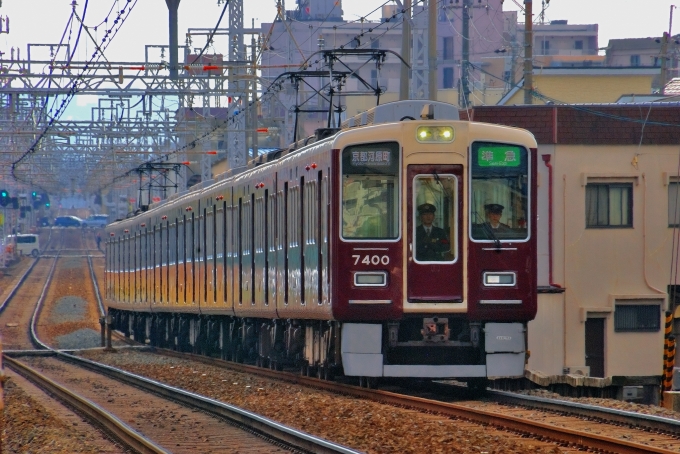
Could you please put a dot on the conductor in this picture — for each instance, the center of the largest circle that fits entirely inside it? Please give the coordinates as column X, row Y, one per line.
column 431, row 241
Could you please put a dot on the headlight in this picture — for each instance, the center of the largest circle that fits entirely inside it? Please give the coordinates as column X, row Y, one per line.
column 371, row 278
column 500, row 279
column 432, row 134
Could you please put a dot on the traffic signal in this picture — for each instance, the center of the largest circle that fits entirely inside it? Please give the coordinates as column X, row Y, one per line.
column 4, row 197
column 37, row 199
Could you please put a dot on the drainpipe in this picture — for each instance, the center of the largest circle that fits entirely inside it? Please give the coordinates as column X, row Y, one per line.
column 546, row 160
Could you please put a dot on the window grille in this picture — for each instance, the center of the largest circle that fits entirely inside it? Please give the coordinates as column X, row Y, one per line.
column 637, row 318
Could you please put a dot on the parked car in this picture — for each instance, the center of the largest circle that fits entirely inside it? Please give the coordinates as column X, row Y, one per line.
column 68, row 221
column 25, row 244
column 96, row 221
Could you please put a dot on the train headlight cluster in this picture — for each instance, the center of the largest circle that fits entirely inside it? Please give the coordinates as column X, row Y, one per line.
column 500, row 279
column 435, row 134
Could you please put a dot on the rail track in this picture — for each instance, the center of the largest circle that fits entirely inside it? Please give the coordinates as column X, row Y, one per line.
column 536, row 422
column 564, row 423
column 165, row 419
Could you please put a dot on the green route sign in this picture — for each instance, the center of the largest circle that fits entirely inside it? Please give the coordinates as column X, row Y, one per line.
column 499, row 156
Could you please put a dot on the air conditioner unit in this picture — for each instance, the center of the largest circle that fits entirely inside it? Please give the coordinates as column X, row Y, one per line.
column 632, row 393
column 577, row 370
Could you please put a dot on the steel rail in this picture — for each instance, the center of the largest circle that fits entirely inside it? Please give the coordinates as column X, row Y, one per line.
column 266, row 426
column 95, row 414
column 650, row 422
column 18, row 285
column 129, row 436
column 553, row 433
column 95, row 285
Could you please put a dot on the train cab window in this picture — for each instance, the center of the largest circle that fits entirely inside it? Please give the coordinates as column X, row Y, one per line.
column 435, row 220
column 499, row 195
column 370, row 196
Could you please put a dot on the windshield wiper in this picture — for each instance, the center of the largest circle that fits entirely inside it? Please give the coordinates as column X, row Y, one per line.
column 489, row 232
column 493, row 236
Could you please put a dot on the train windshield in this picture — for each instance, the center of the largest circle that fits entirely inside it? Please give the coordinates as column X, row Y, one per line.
column 370, row 199
column 499, row 196
column 435, row 217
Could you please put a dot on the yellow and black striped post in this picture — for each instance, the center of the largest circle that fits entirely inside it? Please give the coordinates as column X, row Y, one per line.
column 668, row 354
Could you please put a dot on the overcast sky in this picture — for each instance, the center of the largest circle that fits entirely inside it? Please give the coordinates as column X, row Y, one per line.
column 44, row 21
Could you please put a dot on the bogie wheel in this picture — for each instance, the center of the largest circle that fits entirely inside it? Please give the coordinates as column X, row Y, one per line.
column 368, row 382
column 478, row 385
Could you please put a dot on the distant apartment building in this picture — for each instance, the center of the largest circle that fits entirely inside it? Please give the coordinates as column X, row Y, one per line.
column 646, row 52
column 297, row 41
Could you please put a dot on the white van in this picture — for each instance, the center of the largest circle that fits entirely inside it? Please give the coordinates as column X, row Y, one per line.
column 26, row 244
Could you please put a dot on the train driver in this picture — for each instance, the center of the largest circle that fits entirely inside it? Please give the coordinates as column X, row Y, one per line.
column 431, row 241
column 494, row 212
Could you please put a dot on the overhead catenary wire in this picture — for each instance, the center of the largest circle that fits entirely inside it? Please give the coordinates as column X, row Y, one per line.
column 269, row 91
column 98, row 53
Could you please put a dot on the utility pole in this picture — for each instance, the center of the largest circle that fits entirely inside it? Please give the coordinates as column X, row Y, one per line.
column 665, row 39
column 253, row 96
column 465, row 62
column 664, row 54
column 405, row 51
column 173, row 6
column 432, row 49
column 528, row 54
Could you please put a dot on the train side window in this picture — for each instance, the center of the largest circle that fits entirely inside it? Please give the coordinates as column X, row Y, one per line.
column 370, row 199
column 180, row 241
column 259, row 225
column 312, row 196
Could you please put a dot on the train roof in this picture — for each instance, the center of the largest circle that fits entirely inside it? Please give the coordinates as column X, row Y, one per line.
column 392, row 112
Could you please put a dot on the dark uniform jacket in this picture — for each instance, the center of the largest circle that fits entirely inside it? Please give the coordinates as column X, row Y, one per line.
column 432, row 247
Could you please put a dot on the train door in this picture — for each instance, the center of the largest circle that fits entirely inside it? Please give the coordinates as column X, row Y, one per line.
column 294, row 233
column 221, row 253
column 310, row 243
column 259, row 250
column 282, row 247
column 173, row 266
column 209, row 255
column 435, row 269
column 200, row 251
column 160, row 266
column 272, row 226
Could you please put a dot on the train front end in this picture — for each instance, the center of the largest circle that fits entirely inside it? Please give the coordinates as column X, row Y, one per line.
column 434, row 249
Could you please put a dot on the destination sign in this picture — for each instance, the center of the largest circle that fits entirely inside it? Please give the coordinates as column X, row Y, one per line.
column 498, row 156
column 371, row 158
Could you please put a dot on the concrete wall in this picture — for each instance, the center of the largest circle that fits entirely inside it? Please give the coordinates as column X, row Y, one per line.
column 600, row 266
column 546, row 335
column 571, row 87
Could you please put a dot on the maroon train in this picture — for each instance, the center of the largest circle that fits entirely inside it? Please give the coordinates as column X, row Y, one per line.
column 319, row 258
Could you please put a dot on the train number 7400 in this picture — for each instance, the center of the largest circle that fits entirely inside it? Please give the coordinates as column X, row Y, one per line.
column 371, row 259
